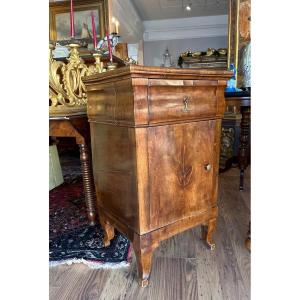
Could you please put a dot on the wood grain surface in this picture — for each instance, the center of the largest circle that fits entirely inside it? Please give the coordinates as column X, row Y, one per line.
column 165, row 121
column 182, row 267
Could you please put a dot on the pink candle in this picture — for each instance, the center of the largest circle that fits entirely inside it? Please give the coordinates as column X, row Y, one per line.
column 109, row 46
column 94, row 30
column 72, row 19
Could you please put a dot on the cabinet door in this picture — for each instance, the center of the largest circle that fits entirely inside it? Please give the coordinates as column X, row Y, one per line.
column 182, row 170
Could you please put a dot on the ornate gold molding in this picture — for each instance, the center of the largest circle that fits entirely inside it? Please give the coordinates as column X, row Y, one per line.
column 67, row 92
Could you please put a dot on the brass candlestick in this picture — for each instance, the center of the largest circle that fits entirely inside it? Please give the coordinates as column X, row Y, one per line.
column 98, row 62
column 51, row 48
column 111, row 66
column 97, row 67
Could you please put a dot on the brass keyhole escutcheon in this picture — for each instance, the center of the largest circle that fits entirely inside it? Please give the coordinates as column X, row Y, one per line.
column 186, row 104
column 207, row 167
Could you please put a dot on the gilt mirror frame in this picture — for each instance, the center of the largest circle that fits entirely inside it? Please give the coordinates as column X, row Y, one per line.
column 239, row 12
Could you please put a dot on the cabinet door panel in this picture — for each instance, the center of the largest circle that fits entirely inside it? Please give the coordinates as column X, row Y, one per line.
column 181, row 168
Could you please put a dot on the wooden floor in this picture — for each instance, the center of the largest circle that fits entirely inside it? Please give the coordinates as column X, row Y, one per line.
column 183, row 267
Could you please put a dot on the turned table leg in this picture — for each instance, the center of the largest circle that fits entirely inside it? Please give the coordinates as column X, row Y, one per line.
column 244, row 144
column 88, row 183
column 248, row 239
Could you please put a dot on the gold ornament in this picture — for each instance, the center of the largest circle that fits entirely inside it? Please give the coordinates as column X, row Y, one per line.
column 67, row 92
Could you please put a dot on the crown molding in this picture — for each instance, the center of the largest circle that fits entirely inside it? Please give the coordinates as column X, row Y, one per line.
column 184, row 28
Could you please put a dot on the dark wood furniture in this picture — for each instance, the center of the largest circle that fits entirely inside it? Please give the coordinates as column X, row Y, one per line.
column 241, row 103
column 248, row 239
column 230, row 139
column 155, row 136
column 77, row 126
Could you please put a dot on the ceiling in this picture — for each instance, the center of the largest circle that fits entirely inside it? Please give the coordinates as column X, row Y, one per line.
column 169, row 9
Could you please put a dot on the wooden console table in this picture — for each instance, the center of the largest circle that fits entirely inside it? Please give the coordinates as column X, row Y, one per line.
column 155, row 136
column 77, row 126
column 242, row 104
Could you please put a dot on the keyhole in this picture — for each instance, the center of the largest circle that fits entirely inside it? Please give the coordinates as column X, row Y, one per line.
column 186, row 104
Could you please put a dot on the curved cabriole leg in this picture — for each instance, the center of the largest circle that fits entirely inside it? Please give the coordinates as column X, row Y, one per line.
column 109, row 231
column 143, row 252
column 88, row 183
column 207, row 233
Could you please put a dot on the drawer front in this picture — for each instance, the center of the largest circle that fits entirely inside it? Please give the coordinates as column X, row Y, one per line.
column 183, row 166
column 112, row 103
column 173, row 100
column 101, row 103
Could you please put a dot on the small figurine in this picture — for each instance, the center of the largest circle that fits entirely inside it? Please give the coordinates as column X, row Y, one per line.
column 103, row 44
column 231, row 83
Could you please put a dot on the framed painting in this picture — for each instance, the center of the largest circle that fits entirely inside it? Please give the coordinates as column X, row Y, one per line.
column 59, row 30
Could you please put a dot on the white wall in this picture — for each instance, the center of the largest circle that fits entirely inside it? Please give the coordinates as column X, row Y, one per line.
column 131, row 27
column 153, row 51
column 180, row 35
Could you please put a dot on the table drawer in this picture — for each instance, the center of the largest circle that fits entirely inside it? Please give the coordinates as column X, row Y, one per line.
column 172, row 100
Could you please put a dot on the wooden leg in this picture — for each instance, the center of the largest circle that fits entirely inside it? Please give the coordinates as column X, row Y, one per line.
column 207, row 232
column 109, row 231
column 88, row 183
column 143, row 252
column 244, row 144
column 248, row 239
column 241, row 179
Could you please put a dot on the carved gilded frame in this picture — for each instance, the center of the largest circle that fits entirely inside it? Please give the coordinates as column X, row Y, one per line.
column 238, row 31
column 56, row 8
column 233, row 32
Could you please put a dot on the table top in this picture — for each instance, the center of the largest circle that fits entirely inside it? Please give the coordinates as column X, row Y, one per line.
column 242, row 99
column 69, row 117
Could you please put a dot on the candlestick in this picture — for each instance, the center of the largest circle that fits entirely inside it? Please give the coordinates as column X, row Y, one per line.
column 111, row 66
column 72, row 19
column 109, row 47
column 94, row 30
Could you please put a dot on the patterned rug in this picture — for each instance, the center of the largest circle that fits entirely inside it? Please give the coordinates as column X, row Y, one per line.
column 71, row 238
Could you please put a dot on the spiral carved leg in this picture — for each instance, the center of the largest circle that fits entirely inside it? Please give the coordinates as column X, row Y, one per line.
column 248, row 239
column 241, row 180
column 244, row 144
column 88, row 183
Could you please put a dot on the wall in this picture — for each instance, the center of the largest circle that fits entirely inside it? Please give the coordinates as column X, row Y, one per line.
column 131, row 26
column 180, row 35
column 153, row 51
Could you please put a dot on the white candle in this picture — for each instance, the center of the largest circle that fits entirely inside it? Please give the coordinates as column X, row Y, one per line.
column 117, row 26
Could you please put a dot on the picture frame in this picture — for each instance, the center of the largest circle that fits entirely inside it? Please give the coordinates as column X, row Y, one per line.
column 239, row 33
column 59, row 20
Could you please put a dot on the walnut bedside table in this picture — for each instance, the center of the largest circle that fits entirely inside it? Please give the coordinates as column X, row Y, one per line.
column 155, row 135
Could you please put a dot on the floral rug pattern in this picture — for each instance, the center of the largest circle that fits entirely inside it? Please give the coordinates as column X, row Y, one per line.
column 71, row 238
